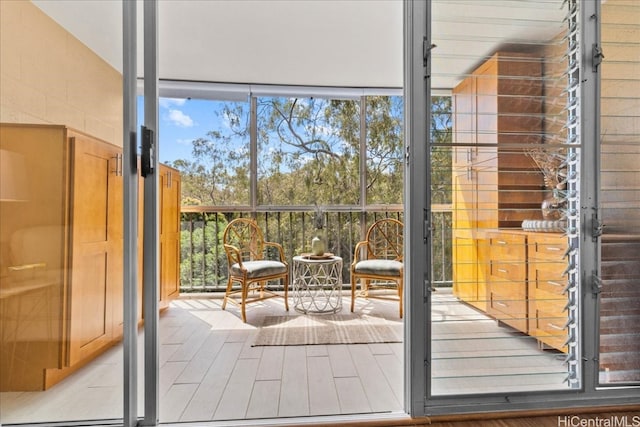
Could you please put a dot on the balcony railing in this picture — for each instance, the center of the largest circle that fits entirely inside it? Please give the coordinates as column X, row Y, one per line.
column 203, row 264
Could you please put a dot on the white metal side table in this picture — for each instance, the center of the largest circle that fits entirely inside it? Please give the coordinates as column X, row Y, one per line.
column 317, row 284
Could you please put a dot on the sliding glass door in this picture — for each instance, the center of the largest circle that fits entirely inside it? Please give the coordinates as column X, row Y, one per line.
column 61, row 223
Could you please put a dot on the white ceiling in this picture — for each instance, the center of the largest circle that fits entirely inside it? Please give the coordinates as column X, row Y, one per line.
column 352, row 43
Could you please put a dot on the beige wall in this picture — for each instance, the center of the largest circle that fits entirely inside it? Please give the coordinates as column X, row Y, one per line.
column 49, row 76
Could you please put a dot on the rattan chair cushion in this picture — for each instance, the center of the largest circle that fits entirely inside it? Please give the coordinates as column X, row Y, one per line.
column 379, row 267
column 259, row 268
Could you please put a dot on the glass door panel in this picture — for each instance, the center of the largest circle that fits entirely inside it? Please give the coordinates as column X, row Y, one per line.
column 619, row 316
column 61, row 221
column 506, row 322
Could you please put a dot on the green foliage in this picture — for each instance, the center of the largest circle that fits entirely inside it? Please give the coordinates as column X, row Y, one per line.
column 441, row 134
column 308, row 154
column 385, row 149
column 308, row 151
column 219, row 173
column 203, row 260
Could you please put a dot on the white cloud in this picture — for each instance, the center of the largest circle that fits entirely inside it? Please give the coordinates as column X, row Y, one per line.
column 178, row 118
column 184, row 141
column 170, row 102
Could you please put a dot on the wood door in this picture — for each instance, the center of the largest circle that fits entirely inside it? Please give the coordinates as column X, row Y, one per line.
column 465, row 276
column 464, row 192
column 169, row 235
column 464, row 121
column 95, row 294
column 465, row 201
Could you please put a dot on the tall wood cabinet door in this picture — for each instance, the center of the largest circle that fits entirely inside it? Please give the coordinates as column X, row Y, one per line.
column 464, row 179
column 116, row 242
column 465, row 275
column 95, row 296
column 169, row 235
column 464, row 121
column 465, row 201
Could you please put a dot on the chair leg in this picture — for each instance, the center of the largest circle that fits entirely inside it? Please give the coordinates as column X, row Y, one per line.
column 226, row 295
column 353, row 291
column 286, row 292
column 400, row 293
column 243, row 304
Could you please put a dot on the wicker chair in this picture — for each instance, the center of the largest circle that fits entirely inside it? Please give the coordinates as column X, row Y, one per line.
column 245, row 248
column 378, row 262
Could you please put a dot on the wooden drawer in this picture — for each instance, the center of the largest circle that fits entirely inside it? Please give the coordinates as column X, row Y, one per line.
column 549, row 327
column 508, row 304
column 507, row 269
column 547, row 277
column 509, row 308
column 515, row 271
column 547, row 247
column 505, row 246
column 547, row 282
column 540, row 300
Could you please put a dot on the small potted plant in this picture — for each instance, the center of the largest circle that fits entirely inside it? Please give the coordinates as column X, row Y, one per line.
column 317, row 242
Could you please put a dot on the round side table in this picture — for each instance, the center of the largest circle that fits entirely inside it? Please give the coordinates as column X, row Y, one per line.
column 317, row 284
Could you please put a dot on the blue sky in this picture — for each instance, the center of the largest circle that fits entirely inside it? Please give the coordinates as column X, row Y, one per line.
column 180, row 122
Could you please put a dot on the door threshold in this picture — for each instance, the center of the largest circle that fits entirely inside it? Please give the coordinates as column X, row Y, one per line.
column 375, row 419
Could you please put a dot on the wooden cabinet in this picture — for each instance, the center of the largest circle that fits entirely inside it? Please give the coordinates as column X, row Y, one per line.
column 66, row 233
column 34, row 238
column 169, row 235
column 61, row 252
column 96, row 259
column 169, row 223
column 547, row 282
column 497, row 114
column 507, row 285
column 526, row 282
column 469, row 276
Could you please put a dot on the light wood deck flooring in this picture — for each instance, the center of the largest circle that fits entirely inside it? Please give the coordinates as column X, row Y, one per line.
column 210, row 371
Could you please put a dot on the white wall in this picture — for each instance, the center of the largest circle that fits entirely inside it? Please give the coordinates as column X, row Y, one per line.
column 353, row 43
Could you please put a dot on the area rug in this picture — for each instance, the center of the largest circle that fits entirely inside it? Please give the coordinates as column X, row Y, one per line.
column 327, row 329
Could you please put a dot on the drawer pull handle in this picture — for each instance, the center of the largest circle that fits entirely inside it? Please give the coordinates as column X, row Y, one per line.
column 556, row 327
column 501, row 304
column 502, row 270
column 501, row 242
column 553, row 249
column 552, row 283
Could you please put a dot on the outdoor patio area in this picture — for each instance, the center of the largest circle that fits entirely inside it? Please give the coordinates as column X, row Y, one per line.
column 210, row 370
